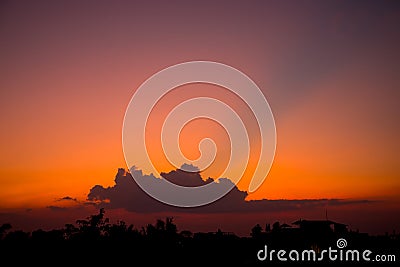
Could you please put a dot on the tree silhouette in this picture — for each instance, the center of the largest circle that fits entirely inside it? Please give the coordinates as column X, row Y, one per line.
column 17, row 236
column 121, row 232
column 3, row 229
column 276, row 226
column 160, row 242
column 256, row 231
column 93, row 227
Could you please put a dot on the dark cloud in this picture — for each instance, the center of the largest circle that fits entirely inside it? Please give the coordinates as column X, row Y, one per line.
column 128, row 195
column 67, row 198
column 188, row 175
column 189, row 168
column 72, row 199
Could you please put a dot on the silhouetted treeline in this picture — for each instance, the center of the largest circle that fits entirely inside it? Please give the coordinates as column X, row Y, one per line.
column 96, row 241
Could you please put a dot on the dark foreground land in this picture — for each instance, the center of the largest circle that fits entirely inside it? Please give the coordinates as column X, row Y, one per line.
column 95, row 242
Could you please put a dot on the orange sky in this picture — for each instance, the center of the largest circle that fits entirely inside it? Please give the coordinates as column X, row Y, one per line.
column 69, row 71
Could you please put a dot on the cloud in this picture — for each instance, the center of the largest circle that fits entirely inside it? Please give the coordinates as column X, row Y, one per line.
column 189, row 168
column 67, row 198
column 128, row 195
column 74, row 200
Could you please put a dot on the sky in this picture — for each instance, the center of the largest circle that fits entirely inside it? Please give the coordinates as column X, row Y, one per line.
column 329, row 72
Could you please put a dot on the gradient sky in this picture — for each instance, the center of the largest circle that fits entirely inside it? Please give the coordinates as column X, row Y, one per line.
column 329, row 70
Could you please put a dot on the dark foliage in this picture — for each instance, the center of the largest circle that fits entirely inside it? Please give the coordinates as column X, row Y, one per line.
column 96, row 241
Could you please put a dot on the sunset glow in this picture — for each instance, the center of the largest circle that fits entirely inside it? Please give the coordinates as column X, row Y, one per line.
column 329, row 71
